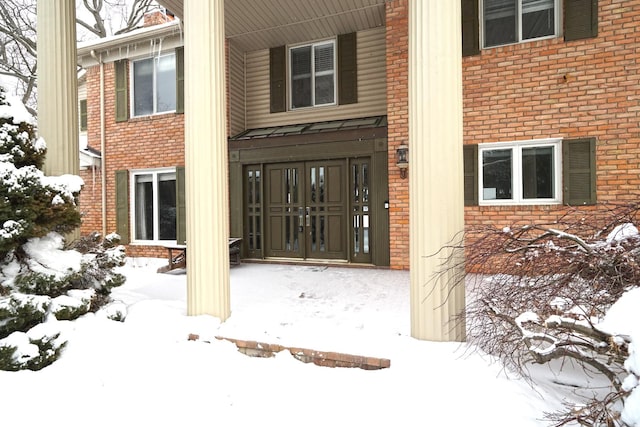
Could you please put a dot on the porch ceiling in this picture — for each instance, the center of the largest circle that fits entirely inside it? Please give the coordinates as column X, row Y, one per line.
column 253, row 25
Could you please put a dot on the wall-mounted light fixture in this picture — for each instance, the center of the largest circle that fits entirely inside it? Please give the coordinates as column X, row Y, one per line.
column 402, row 160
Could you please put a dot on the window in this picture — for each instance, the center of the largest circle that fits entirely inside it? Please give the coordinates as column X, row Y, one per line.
column 513, row 21
column 154, row 85
column 521, row 172
column 154, row 205
column 313, row 76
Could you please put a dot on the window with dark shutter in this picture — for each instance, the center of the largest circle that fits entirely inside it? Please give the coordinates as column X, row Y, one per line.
column 122, row 205
column 580, row 19
column 579, row 171
column 470, row 28
column 181, row 211
column 470, row 153
column 347, row 69
column 180, row 80
column 278, row 79
column 122, row 109
column 83, row 115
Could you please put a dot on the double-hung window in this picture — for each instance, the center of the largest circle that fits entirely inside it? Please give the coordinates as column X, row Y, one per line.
column 154, row 85
column 520, row 172
column 313, row 75
column 513, row 21
column 154, row 205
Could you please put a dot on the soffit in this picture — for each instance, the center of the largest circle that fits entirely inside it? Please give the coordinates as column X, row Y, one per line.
column 254, row 25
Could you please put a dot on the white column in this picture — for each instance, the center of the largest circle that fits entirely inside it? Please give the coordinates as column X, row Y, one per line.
column 206, row 160
column 58, row 85
column 435, row 169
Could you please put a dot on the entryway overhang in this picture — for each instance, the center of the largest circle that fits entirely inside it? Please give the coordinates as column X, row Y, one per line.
column 252, row 25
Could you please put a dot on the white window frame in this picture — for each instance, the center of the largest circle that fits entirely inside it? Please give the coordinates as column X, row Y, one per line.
column 132, row 100
column 557, row 8
column 516, row 171
column 156, row 213
column 313, row 74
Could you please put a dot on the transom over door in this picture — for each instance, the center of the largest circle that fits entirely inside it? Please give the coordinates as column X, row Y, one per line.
column 306, row 210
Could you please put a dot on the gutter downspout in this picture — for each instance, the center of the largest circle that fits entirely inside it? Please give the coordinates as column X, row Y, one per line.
column 103, row 176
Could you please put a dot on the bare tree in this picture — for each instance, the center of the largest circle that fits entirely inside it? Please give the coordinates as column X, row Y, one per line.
column 544, row 290
column 96, row 18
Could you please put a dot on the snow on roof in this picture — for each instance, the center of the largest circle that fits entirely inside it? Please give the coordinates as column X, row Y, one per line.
column 135, row 35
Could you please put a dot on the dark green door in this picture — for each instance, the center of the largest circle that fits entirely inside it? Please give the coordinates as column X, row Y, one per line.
column 285, row 210
column 306, row 210
column 360, row 211
column 325, row 210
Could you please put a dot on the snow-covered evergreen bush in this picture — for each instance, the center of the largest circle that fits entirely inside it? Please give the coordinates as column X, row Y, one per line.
column 41, row 281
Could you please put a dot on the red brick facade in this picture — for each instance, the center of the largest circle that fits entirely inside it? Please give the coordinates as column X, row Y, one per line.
column 557, row 89
column 541, row 89
column 140, row 143
column 397, row 44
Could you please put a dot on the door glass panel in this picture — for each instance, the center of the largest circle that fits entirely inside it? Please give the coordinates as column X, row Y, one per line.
column 287, row 231
column 250, row 186
column 321, row 183
column 365, row 183
column 253, row 218
column 365, row 234
column 257, row 187
column 313, row 232
column 258, row 231
column 312, row 178
column 356, row 231
column 356, row 184
column 322, row 234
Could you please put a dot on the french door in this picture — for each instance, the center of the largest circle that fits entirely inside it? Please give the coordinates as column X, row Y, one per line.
column 306, row 210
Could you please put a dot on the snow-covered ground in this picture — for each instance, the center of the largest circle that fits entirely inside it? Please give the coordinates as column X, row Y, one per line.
column 145, row 371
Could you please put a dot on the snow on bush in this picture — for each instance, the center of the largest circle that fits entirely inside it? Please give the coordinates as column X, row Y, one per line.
column 567, row 283
column 41, row 280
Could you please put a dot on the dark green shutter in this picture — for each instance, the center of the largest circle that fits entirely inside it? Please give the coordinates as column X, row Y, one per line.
column 347, row 69
column 579, row 171
column 470, row 153
column 180, row 80
column 278, row 79
column 181, row 210
column 470, row 28
column 122, row 205
column 83, row 115
column 580, row 19
column 122, row 109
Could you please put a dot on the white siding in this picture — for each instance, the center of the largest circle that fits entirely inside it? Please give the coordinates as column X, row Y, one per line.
column 372, row 99
column 236, row 91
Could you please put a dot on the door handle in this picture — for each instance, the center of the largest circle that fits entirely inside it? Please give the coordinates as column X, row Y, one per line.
column 308, row 218
column 300, row 220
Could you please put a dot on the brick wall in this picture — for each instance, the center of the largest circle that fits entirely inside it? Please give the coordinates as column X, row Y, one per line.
column 553, row 88
column 140, row 143
column 397, row 45
column 91, row 201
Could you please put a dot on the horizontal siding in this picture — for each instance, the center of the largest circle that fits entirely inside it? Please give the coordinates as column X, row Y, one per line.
column 236, row 91
column 371, row 87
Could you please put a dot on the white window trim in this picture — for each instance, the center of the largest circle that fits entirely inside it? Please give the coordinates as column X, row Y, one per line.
column 516, row 172
column 557, row 30
column 132, row 84
column 156, row 216
column 313, row 75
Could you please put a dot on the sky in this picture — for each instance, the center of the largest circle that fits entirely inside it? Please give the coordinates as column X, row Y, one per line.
column 145, row 371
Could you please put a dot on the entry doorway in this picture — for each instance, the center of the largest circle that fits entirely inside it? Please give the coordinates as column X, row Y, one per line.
column 313, row 210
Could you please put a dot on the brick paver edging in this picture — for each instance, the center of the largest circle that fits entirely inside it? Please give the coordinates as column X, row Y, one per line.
column 321, row 358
